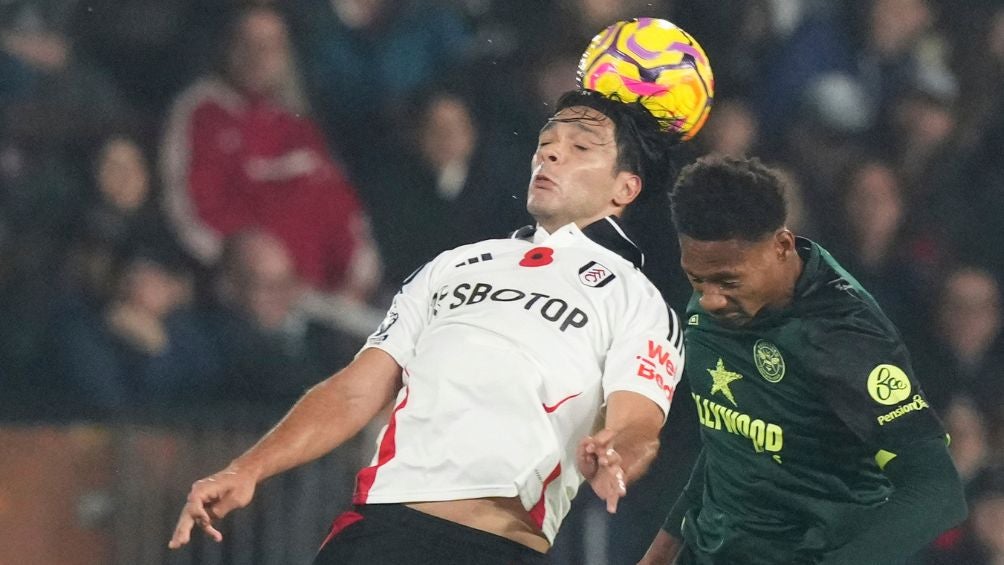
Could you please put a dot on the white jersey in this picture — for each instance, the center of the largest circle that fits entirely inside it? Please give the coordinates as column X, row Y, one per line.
column 509, row 349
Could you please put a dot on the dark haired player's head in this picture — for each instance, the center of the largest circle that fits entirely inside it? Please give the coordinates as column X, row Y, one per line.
column 734, row 246
column 596, row 155
column 643, row 141
column 722, row 198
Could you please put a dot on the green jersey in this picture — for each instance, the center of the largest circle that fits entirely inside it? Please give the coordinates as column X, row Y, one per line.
column 798, row 410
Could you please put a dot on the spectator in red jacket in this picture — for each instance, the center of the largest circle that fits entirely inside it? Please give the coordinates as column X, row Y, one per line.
column 240, row 151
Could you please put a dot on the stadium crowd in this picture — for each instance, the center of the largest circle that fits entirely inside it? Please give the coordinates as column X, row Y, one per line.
column 210, row 202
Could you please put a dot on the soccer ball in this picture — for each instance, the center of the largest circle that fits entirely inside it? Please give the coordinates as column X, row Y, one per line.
column 654, row 61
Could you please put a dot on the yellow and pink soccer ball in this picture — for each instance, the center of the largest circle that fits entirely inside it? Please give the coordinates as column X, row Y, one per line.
column 656, row 62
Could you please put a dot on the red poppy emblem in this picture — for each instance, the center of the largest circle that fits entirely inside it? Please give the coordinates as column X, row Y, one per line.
column 537, row 257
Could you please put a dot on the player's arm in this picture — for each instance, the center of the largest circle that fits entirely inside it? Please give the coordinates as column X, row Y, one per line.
column 928, row 499
column 621, row 452
column 669, row 539
column 642, row 368
column 330, row 413
column 870, row 385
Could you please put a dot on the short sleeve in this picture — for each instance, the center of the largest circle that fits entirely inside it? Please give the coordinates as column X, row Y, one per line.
column 646, row 353
column 869, row 382
column 408, row 315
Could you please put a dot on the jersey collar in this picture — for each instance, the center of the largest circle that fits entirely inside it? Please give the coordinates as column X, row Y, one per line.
column 607, row 232
column 811, row 260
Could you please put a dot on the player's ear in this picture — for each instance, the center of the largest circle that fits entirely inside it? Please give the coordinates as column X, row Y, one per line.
column 784, row 242
column 628, row 188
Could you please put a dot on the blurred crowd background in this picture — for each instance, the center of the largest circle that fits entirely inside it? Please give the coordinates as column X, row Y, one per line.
column 206, row 205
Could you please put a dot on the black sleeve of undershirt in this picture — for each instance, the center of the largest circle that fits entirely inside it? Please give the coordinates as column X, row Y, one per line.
column 689, row 498
column 927, row 499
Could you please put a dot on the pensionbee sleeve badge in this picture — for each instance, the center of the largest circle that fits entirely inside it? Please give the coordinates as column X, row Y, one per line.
column 769, row 361
column 888, row 385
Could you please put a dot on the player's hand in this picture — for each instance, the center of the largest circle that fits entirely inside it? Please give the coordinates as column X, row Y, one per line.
column 600, row 464
column 211, row 499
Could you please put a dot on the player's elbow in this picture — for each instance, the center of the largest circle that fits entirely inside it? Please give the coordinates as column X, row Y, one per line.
column 956, row 509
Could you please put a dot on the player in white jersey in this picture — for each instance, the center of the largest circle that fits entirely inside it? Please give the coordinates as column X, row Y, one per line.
column 518, row 368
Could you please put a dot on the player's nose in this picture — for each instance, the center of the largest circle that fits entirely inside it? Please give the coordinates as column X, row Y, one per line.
column 549, row 153
column 713, row 302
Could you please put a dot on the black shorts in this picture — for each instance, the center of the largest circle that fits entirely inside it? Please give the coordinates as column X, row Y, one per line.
column 391, row 534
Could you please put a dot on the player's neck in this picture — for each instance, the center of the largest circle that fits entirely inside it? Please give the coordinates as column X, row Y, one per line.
column 794, row 271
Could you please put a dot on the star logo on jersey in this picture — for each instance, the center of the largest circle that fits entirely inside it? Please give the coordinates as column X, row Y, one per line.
column 768, row 361
column 721, row 378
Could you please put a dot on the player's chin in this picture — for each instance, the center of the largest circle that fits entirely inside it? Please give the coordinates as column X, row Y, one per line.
column 540, row 205
column 732, row 319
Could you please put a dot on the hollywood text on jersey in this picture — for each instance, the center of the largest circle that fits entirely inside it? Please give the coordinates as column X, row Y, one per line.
column 765, row 436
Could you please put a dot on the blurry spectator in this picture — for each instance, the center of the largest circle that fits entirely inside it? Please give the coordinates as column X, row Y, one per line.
column 987, row 515
column 365, row 58
column 53, row 107
column 456, row 184
column 965, row 354
column 67, row 102
column 271, row 351
column 825, row 138
column 980, row 61
column 150, row 48
column 122, row 215
column 978, row 195
column 923, row 123
column 141, row 351
column 970, row 443
column 879, row 50
column 869, row 238
column 731, row 129
column 239, row 153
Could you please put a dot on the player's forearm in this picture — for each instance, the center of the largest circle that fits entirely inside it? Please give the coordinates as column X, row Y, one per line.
column 636, row 421
column 928, row 499
column 329, row 414
column 637, row 451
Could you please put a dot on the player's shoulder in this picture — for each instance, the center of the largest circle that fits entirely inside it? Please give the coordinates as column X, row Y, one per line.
column 837, row 317
column 470, row 253
column 832, row 300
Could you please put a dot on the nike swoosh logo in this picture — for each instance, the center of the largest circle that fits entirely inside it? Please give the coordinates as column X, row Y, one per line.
column 550, row 409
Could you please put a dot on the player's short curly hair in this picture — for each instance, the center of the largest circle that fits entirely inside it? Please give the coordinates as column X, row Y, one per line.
column 643, row 146
column 721, row 198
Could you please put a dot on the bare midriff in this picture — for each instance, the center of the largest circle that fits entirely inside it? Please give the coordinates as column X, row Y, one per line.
column 503, row 517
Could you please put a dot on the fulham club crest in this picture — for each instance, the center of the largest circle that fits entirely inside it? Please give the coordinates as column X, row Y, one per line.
column 595, row 275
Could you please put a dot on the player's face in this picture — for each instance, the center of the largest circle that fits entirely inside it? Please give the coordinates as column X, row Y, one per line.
column 737, row 279
column 574, row 175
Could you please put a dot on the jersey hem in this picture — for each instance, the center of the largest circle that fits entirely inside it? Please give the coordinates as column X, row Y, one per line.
column 440, row 496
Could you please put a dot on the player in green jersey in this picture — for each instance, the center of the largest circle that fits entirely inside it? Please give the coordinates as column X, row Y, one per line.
column 818, row 444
